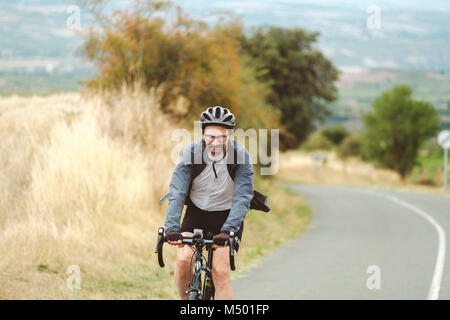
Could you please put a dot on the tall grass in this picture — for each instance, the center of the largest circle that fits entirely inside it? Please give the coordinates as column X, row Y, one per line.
column 78, row 185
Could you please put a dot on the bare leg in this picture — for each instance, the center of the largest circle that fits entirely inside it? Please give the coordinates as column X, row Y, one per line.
column 183, row 268
column 221, row 274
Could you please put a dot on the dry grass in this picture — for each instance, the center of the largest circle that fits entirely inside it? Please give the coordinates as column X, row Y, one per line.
column 80, row 176
column 78, row 186
column 298, row 166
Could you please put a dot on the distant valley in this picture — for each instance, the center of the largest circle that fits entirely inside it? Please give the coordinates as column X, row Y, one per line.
column 39, row 48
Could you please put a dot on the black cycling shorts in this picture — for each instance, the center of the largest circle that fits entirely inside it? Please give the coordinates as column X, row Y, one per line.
column 208, row 221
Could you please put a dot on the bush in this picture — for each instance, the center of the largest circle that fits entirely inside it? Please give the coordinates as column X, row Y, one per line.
column 335, row 133
column 317, row 141
column 350, row 147
column 432, row 149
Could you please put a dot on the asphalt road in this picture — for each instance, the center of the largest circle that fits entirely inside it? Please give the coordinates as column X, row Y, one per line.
column 361, row 244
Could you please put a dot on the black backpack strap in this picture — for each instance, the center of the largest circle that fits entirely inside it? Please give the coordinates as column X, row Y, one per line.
column 196, row 168
column 233, row 166
column 259, row 200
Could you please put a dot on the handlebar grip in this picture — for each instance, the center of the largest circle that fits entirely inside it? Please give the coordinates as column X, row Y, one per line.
column 232, row 265
column 159, row 247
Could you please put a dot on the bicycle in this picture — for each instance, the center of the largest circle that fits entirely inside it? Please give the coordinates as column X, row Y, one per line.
column 197, row 291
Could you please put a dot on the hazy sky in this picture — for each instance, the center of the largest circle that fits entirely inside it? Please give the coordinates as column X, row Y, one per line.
column 411, row 33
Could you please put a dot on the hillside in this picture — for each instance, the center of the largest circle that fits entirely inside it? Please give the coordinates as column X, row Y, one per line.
column 37, row 30
column 358, row 88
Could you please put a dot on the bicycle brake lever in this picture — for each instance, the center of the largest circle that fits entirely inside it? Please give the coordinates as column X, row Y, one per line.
column 232, row 265
column 159, row 246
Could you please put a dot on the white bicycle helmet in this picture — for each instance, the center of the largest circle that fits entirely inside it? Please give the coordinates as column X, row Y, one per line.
column 217, row 115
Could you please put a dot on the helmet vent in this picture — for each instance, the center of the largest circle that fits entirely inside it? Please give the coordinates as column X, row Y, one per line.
column 230, row 117
column 217, row 113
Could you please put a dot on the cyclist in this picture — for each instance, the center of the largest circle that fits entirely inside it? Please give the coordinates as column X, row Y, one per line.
column 214, row 177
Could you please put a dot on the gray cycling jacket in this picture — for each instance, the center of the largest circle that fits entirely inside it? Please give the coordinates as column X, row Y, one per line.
column 191, row 160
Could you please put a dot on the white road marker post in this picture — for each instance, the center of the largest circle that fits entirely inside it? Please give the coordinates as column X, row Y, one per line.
column 317, row 158
column 444, row 141
column 445, row 168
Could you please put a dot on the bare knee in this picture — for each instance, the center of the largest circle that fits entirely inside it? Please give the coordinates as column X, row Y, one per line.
column 184, row 256
column 221, row 275
column 183, row 261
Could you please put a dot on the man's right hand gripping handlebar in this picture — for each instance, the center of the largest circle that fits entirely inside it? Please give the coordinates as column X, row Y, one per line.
column 174, row 238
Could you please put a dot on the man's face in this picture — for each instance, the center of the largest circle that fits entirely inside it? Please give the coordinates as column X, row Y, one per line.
column 216, row 140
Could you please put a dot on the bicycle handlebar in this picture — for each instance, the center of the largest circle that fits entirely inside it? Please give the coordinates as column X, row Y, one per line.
column 190, row 240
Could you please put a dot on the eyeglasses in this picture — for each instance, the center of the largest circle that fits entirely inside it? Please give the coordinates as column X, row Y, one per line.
column 211, row 138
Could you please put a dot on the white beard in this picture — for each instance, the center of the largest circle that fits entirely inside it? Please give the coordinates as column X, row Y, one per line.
column 217, row 157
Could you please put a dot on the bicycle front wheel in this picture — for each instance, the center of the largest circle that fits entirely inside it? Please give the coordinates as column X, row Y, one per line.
column 208, row 289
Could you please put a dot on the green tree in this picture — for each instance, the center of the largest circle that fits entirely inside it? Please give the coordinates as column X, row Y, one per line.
column 397, row 128
column 301, row 78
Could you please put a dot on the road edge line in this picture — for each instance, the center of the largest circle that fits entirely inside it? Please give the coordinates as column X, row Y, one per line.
column 433, row 293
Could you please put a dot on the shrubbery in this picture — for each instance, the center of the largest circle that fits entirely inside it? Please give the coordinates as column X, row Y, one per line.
column 351, row 146
column 336, row 133
column 317, row 141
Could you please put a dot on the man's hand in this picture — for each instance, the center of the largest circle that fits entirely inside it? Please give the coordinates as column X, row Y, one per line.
column 221, row 240
column 175, row 238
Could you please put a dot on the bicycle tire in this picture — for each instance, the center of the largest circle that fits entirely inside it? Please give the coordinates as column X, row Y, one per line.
column 208, row 288
column 209, row 293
